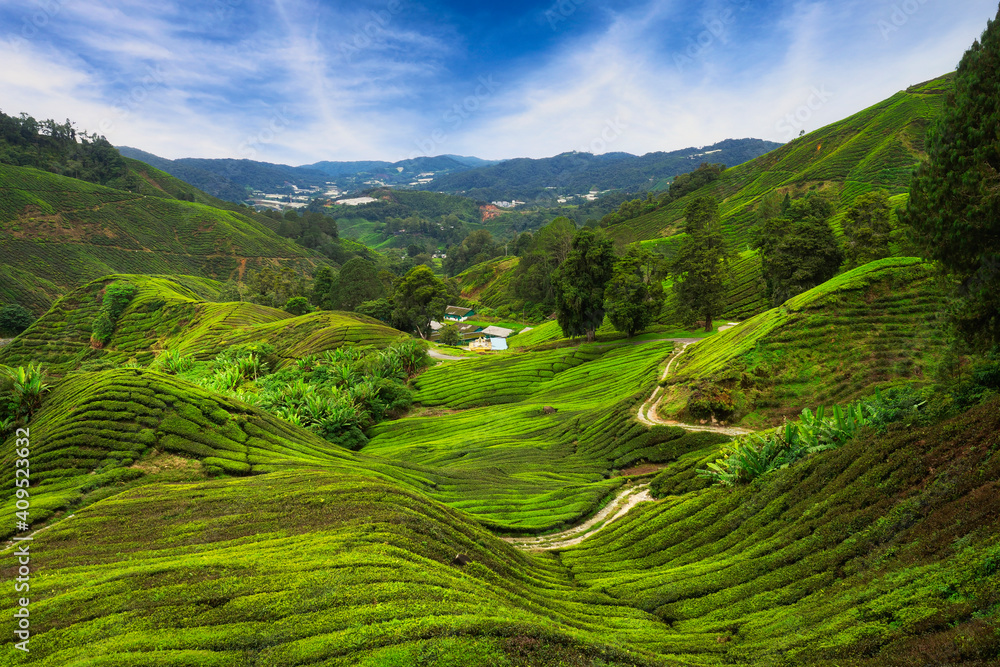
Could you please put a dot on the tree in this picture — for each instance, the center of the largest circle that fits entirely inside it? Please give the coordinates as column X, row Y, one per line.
column 14, row 319
column 799, row 250
column 954, row 206
column 634, row 295
column 322, row 286
column 357, row 282
column 532, row 279
column 868, row 228
column 450, row 335
column 579, row 283
column 297, row 305
column 419, row 298
column 701, row 268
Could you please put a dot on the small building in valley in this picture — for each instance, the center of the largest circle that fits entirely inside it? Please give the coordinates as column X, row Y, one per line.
column 458, row 314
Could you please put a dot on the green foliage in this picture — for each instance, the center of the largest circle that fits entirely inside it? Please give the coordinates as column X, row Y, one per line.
column 357, row 283
column 955, row 201
column 14, row 319
column 297, row 305
column 58, row 148
column 450, row 335
column 868, row 228
column 634, row 295
column 476, row 248
column 172, row 362
column 531, row 282
column 116, row 297
column 420, row 297
column 701, row 268
column 682, row 184
column 103, row 328
column 798, row 250
column 579, row 283
column 25, row 388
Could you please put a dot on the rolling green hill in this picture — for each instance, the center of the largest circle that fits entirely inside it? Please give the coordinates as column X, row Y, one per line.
column 877, row 325
column 877, row 148
column 58, row 232
column 174, row 313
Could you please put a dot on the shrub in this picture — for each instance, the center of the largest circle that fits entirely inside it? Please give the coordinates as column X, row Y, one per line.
column 25, row 387
column 450, row 335
column 116, row 298
column 754, row 455
column 172, row 362
column 14, row 319
column 102, row 329
column 297, row 305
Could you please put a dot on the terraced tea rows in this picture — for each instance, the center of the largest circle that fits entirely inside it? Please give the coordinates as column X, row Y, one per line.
column 63, row 232
column 167, row 314
column 872, row 326
column 515, row 466
column 873, row 554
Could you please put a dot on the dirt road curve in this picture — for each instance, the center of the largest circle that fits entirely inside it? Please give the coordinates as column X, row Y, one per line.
column 648, row 411
column 616, row 509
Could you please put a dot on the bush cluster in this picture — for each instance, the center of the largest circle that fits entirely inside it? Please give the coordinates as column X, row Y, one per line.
column 116, row 298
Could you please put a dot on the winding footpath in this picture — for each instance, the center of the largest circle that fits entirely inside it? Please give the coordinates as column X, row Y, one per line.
column 616, row 509
column 630, row 496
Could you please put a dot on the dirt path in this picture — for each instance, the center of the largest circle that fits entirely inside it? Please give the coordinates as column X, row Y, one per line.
column 5, row 341
column 649, row 411
column 434, row 354
column 12, row 543
column 615, row 510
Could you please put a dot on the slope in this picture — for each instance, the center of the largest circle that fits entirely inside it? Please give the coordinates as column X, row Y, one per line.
column 57, row 232
column 172, row 313
column 575, row 173
column 877, row 148
column 877, row 325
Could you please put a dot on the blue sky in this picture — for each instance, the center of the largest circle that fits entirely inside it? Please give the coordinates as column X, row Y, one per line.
column 298, row 81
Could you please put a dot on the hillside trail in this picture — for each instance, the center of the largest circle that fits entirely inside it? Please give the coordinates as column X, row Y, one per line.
column 649, row 411
column 625, row 500
column 434, row 354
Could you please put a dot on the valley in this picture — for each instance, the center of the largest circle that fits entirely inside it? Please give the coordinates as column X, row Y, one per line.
column 713, row 415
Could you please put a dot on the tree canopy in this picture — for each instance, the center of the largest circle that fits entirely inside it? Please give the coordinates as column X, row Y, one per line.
column 954, row 207
column 634, row 295
column 868, row 228
column 419, row 298
column 701, row 267
column 580, row 280
column 798, row 250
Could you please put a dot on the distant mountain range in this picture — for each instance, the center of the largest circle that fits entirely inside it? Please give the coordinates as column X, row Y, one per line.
column 485, row 180
column 233, row 180
column 578, row 173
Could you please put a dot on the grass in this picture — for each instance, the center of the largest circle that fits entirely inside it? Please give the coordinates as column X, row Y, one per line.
column 62, row 232
column 171, row 314
column 873, row 326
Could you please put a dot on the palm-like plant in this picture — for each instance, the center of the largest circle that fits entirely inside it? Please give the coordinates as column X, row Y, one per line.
column 27, row 386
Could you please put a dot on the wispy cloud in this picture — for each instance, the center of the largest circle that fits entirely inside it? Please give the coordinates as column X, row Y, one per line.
column 305, row 80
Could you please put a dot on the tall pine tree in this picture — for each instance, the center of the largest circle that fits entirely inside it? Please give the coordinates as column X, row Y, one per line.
column 954, row 207
column 701, row 267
